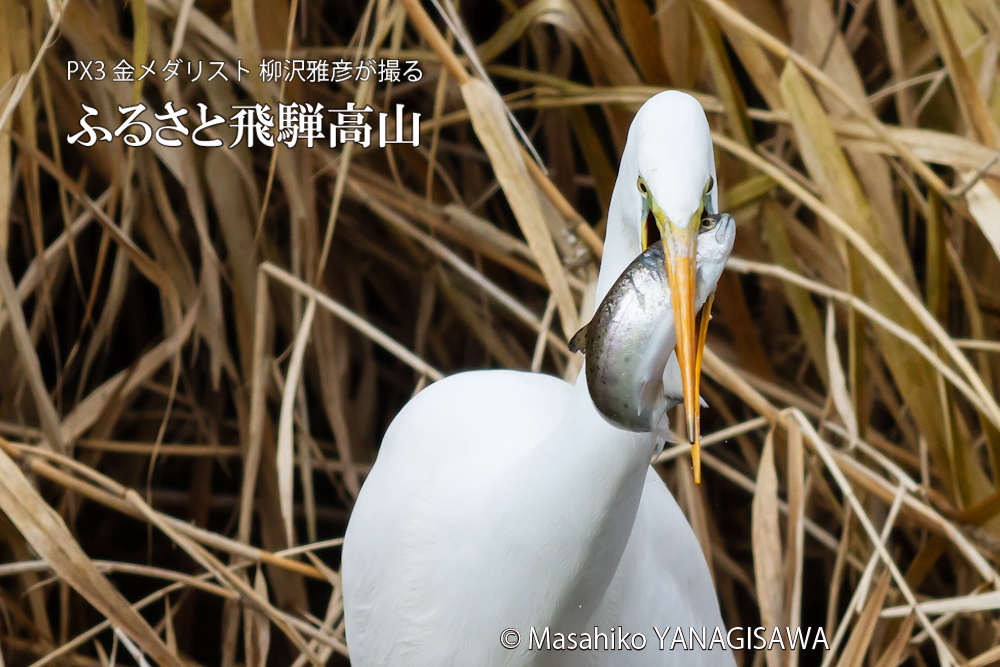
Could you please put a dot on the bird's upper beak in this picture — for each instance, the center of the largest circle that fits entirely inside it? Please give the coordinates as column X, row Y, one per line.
column 680, row 240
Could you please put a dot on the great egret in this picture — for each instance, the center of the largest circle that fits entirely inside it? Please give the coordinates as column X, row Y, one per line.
column 503, row 500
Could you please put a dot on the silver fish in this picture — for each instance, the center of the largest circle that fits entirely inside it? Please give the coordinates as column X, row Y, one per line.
column 632, row 336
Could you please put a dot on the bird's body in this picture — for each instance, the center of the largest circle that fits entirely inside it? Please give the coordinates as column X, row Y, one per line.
column 449, row 556
column 503, row 499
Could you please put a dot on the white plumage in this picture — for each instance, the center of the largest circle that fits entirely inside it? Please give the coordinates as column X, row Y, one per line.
column 502, row 499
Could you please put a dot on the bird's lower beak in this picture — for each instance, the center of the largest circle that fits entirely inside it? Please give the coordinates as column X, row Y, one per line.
column 680, row 242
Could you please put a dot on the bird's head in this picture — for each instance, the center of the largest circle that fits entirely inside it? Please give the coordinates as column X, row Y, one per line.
column 678, row 203
column 665, row 191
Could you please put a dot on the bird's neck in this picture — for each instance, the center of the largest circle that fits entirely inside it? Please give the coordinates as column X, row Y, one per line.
column 621, row 242
column 620, row 250
column 607, row 470
column 584, row 481
column 581, row 485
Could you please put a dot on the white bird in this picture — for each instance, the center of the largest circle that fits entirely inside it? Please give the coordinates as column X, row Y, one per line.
column 504, row 500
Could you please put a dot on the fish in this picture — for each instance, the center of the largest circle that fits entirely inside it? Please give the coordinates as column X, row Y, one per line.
column 631, row 337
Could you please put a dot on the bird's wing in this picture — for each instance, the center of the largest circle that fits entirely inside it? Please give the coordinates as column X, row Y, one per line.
column 407, row 542
column 662, row 580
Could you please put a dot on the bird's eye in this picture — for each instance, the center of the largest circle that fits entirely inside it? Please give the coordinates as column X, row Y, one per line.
column 642, row 185
column 708, row 223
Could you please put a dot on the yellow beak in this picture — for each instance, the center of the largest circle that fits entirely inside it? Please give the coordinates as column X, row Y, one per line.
column 680, row 244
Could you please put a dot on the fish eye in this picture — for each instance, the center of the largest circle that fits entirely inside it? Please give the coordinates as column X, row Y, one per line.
column 642, row 185
column 708, row 223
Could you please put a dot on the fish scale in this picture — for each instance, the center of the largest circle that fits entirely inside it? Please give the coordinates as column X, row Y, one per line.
column 631, row 337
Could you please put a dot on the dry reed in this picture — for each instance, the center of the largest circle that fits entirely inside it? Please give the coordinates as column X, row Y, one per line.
column 203, row 346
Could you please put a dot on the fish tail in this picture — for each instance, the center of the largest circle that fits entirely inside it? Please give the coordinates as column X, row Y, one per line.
column 578, row 343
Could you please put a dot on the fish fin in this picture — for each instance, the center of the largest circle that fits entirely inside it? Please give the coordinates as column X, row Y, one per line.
column 648, row 392
column 578, row 343
column 703, row 402
column 662, row 431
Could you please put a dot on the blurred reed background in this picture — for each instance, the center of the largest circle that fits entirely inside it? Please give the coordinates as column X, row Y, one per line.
column 201, row 347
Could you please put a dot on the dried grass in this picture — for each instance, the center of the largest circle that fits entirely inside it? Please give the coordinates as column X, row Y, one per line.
column 202, row 378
